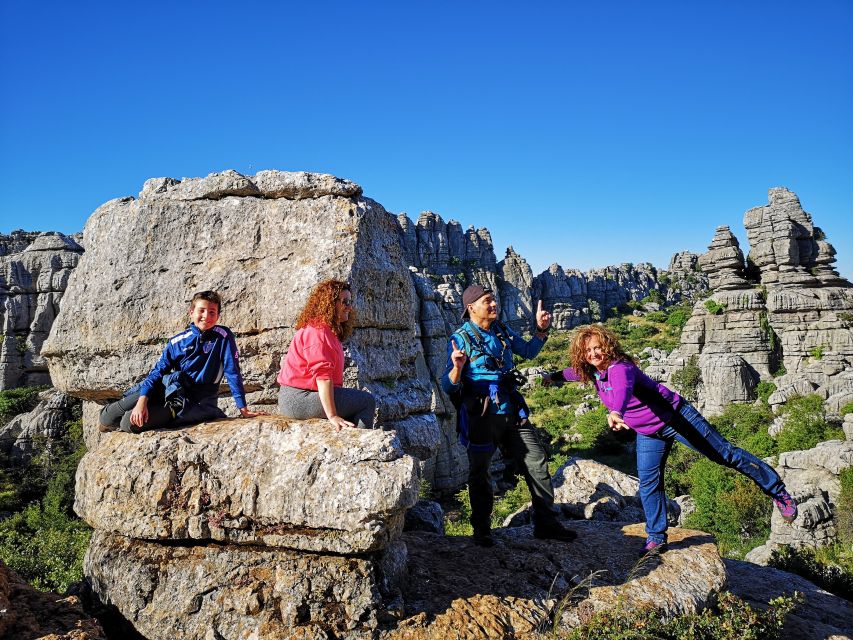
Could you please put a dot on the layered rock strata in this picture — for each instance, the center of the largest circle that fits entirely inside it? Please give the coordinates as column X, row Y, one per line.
column 796, row 318
column 266, row 481
column 813, row 478
column 34, row 272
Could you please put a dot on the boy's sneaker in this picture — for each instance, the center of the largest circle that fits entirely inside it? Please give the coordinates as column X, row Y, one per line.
column 786, row 505
column 653, row 548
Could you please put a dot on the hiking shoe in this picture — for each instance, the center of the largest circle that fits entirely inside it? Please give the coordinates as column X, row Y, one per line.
column 483, row 539
column 786, row 505
column 106, row 428
column 653, row 548
column 553, row 531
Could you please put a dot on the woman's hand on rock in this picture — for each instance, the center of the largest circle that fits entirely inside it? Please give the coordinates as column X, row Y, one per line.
column 340, row 423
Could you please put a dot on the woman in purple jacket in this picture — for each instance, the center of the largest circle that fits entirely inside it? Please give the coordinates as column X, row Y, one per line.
column 659, row 416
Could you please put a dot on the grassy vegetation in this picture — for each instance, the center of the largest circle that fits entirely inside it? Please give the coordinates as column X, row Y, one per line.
column 42, row 539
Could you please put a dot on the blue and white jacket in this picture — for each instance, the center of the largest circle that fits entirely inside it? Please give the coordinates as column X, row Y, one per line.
column 204, row 358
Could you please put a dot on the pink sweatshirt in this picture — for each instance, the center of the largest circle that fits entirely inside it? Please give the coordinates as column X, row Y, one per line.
column 314, row 354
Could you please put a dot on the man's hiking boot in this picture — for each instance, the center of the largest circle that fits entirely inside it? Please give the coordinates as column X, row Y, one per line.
column 553, row 530
column 483, row 538
column 787, row 506
column 653, row 548
column 106, row 428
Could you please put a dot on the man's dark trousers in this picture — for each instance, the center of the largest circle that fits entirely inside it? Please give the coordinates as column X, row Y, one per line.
column 520, row 443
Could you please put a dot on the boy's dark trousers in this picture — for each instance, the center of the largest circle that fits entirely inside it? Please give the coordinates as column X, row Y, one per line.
column 159, row 415
column 519, row 442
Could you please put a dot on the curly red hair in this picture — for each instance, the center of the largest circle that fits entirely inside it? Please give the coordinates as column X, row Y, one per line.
column 320, row 309
column 609, row 345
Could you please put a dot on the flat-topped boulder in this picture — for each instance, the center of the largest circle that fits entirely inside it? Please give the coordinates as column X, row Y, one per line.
column 262, row 481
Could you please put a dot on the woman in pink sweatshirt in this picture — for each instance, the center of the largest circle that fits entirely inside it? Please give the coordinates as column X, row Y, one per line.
column 660, row 417
column 312, row 372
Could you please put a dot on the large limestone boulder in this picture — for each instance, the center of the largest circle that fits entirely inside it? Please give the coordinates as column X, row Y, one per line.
column 34, row 272
column 172, row 592
column 263, row 242
column 301, row 485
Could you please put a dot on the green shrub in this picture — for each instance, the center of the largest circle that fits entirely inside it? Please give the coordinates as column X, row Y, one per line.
column 656, row 316
column 731, row 618
column 805, row 425
column 764, row 390
column 45, row 546
column 16, row 401
column 686, row 381
column 641, row 331
column 817, row 353
column 714, row 307
column 821, row 566
column 728, row 505
column 678, row 317
column 847, row 408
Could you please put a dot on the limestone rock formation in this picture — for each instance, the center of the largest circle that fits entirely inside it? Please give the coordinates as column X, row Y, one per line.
column 266, row 480
column 232, row 591
column 47, row 421
column 28, row 614
column 518, row 309
column 261, row 241
column 798, row 319
column 589, row 490
column 723, row 263
column 34, row 272
column 785, row 244
column 812, row 478
column 456, row 590
column 822, row 616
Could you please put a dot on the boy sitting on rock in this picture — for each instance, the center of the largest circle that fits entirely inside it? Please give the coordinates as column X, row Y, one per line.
column 183, row 386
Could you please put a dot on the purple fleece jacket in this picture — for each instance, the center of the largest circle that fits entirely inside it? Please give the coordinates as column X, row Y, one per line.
column 618, row 388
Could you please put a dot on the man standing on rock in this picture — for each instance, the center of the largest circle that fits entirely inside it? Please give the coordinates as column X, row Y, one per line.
column 482, row 381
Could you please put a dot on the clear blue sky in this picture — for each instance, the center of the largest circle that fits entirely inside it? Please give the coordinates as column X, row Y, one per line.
column 583, row 133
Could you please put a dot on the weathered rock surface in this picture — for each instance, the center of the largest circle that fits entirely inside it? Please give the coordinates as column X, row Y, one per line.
column 812, row 477
column 822, row 616
column 173, row 592
column 589, row 490
column 785, row 245
column 265, row 480
column 34, row 272
column 27, row 614
column 426, row 515
column 261, row 241
column 48, row 420
column 799, row 318
column 456, row 590
column 723, row 264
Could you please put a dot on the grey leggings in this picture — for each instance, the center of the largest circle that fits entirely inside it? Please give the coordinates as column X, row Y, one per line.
column 352, row 404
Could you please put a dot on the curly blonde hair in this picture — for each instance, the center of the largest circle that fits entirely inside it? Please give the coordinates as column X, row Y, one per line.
column 609, row 345
column 320, row 309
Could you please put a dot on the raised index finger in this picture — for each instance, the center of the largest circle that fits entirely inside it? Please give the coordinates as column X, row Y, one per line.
column 539, row 306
